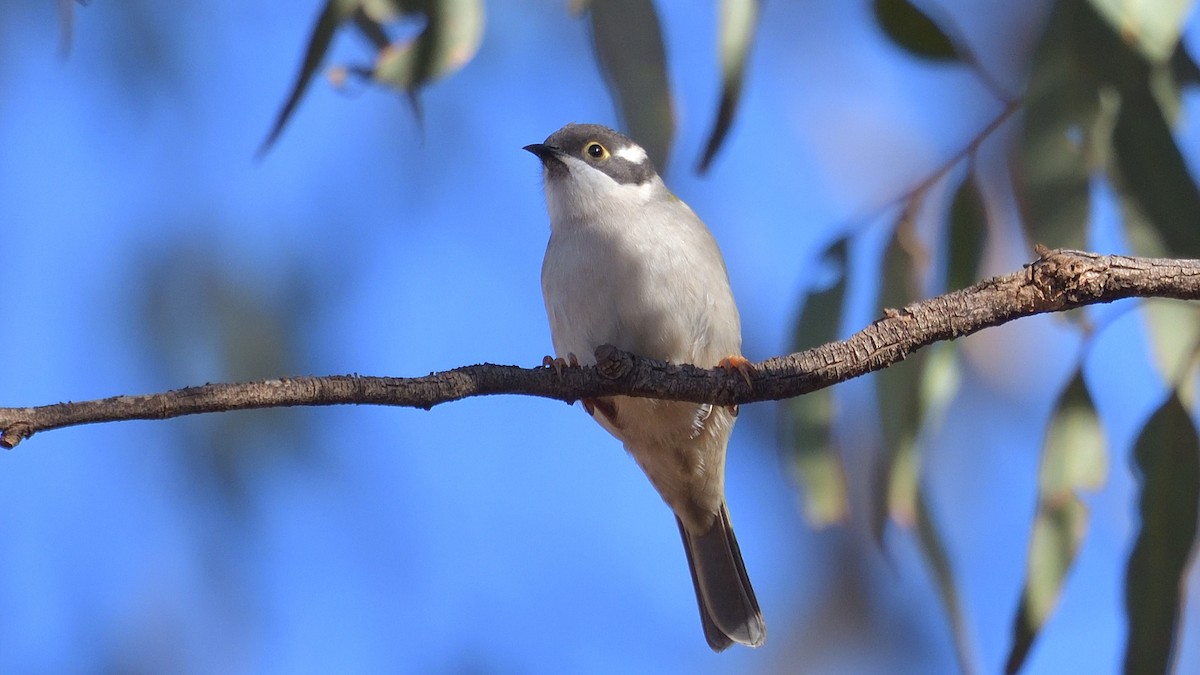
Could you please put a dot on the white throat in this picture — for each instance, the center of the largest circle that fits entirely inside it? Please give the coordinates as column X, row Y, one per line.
column 586, row 193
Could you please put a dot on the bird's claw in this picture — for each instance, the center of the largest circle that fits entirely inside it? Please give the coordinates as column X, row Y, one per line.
column 559, row 363
column 739, row 363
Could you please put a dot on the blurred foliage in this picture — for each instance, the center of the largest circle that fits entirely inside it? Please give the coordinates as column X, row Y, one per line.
column 813, row 459
column 450, row 34
column 1096, row 105
column 738, row 20
column 206, row 318
column 1099, row 105
column 907, row 395
column 628, row 42
column 913, row 30
column 1074, row 459
column 1167, row 458
column 898, row 388
column 626, row 37
column 1102, row 94
column 967, row 234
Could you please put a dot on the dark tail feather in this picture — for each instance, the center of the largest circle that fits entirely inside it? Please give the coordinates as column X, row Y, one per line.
column 728, row 609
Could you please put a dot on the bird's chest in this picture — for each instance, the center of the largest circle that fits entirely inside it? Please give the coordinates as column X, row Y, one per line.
column 633, row 291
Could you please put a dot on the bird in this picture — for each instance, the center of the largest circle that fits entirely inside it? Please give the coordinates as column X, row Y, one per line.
column 629, row 264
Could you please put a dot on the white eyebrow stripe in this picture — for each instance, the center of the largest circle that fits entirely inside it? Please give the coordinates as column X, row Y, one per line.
column 632, row 153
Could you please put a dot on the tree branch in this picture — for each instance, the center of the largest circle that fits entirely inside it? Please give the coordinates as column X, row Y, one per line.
column 1057, row 281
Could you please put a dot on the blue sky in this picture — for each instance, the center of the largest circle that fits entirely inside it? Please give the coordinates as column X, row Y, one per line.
column 500, row 534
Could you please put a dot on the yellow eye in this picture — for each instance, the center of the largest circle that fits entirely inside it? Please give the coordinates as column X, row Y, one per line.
column 596, row 151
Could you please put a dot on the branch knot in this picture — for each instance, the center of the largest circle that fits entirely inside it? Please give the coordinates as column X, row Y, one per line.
column 612, row 363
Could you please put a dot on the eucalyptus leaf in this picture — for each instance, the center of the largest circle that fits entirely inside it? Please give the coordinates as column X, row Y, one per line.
column 1183, row 67
column 1175, row 333
column 1153, row 172
column 331, row 16
column 451, row 37
column 966, row 236
column 738, row 20
column 1152, row 26
column 814, row 461
column 898, row 388
column 1074, row 459
column 947, row 587
column 1058, row 142
column 452, row 32
column 914, row 31
column 628, row 42
column 1167, row 458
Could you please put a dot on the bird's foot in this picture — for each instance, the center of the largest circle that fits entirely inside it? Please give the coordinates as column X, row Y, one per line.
column 590, row 405
column 739, row 363
column 742, row 365
column 559, row 363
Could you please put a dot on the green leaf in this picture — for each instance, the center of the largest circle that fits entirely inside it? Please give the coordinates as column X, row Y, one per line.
column 815, row 464
column 1183, row 67
column 738, row 19
column 450, row 38
column 332, row 15
column 628, row 42
column 1059, row 143
column 967, row 234
column 1151, row 26
column 939, row 563
column 1174, row 332
column 1151, row 170
column 914, row 31
column 1074, row 459
column 898, row 387
column 1095, row 103
column 1167, row 457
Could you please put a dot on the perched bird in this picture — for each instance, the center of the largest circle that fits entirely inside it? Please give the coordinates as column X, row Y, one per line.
column 630, row 265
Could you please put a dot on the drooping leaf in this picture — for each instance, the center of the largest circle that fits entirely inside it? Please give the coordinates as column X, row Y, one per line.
column 1184, row 70
column 937, row 383
column 907, row 392
column 738, row 20
column 815, row 464
column 332, row 15
column 1058, row 144
column 943, row 575
column 1074, row 459
column 627, row 38
column 898, row 387
column 1167, row 458
column 1152, row 171
column 451, row 37
column 966, row 235
column 451, row 33
column 1096, row 103
column 914, row 31
column 1151, row 26
column 1174, row 332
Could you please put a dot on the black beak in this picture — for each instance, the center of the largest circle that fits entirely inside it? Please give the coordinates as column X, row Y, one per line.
column 551, row 156
column 544, row 152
